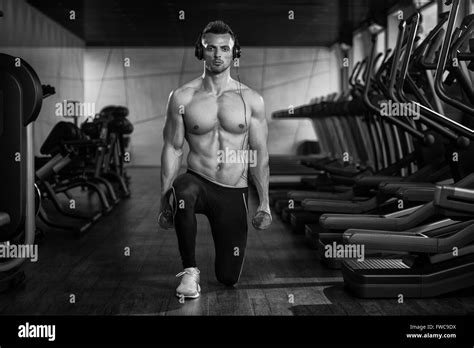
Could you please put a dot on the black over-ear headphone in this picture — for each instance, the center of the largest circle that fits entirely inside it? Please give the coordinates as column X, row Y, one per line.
column 198, row 50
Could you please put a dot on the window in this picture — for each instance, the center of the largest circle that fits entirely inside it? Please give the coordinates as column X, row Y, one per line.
column 429, row 15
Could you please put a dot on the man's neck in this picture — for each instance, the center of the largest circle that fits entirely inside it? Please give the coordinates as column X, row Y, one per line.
column 216, row 83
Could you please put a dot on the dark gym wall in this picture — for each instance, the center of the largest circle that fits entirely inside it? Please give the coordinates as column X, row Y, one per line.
column 56, row 54
column 284, row 76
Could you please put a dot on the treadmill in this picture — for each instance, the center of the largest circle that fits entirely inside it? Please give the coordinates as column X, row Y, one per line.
column 440, row 260
column 311, row 208
column 332, row 225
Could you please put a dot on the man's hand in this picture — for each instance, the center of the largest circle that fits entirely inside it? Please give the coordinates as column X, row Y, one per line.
column 166, row 216
column 262, row 220
column 165, row 219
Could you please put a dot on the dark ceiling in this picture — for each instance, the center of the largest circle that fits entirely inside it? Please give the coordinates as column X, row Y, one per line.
column 256, row 22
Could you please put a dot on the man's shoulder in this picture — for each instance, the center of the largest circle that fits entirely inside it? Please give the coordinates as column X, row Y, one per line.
column 187, row 90
column 252, row 97
column 250, row 94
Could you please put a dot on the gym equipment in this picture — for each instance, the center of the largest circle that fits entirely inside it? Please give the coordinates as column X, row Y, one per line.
column 20, row 103
column 406, row 160
column 338, row 223
column 92, row 158
column 52, row 181
column 439, row 256
column 370, row 204
column 112, row 127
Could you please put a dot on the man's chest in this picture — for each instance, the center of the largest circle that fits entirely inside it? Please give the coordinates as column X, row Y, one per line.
column 205, row 113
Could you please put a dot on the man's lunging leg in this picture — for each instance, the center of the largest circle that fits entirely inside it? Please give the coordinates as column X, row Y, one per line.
column 188, row 203
column 229, row 229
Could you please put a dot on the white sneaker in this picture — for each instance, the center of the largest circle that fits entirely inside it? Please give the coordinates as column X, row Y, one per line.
column 189, row 286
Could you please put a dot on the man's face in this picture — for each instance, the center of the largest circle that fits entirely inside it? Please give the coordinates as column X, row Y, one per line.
column 217, row 50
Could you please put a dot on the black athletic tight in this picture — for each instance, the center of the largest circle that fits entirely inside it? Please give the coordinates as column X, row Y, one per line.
column 226, row 210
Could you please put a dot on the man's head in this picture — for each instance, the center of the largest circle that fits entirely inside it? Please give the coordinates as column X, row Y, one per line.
column 217, row 46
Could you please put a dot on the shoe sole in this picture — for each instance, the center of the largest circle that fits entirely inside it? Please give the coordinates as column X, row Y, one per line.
column 190, row 296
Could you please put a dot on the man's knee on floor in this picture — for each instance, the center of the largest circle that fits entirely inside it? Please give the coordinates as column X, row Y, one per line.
column 227, row 279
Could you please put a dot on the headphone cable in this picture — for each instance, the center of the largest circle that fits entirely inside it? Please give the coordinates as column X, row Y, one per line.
column 245, row 120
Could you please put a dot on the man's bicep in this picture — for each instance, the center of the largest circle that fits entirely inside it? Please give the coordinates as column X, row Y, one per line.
column 173, row 132
column 258, row 125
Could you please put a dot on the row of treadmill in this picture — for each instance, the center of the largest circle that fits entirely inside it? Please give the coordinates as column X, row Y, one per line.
column 400, row 183
column 78, row 165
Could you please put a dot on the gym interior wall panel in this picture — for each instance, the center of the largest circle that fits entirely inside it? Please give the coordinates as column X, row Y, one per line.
column 283, row 129
column 68, row 89
column 281, row 96
column 252, row 57
column 293, row 132
column 318, row 85
column 276, row 75
column 149, row 96
column 186, row 77
column 145, row 83
column 358, row 51
column 55, row 54
column 334, row 71
column 277, row 55
column 381, row 45
column 104, row 63
column 105, row 93
column 163, row 61
column 190, row 67
column 91, row 93
column 321, row 79
column 144, row 141
column 284, row 137
column 250, row 76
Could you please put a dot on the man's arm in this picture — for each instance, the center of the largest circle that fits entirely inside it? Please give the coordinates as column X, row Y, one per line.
column 173, row 137
column 258, row 136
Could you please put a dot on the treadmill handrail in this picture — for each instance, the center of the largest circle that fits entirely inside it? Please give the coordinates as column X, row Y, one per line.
column 454, row 198
column 464, row 81
column 396, row 59
column 401, row 223
column 439, row 87
column 426, row 138
column 353, row 73
column 427, row 48
column 404, row 75
column 388, row 240
column 430, row 117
